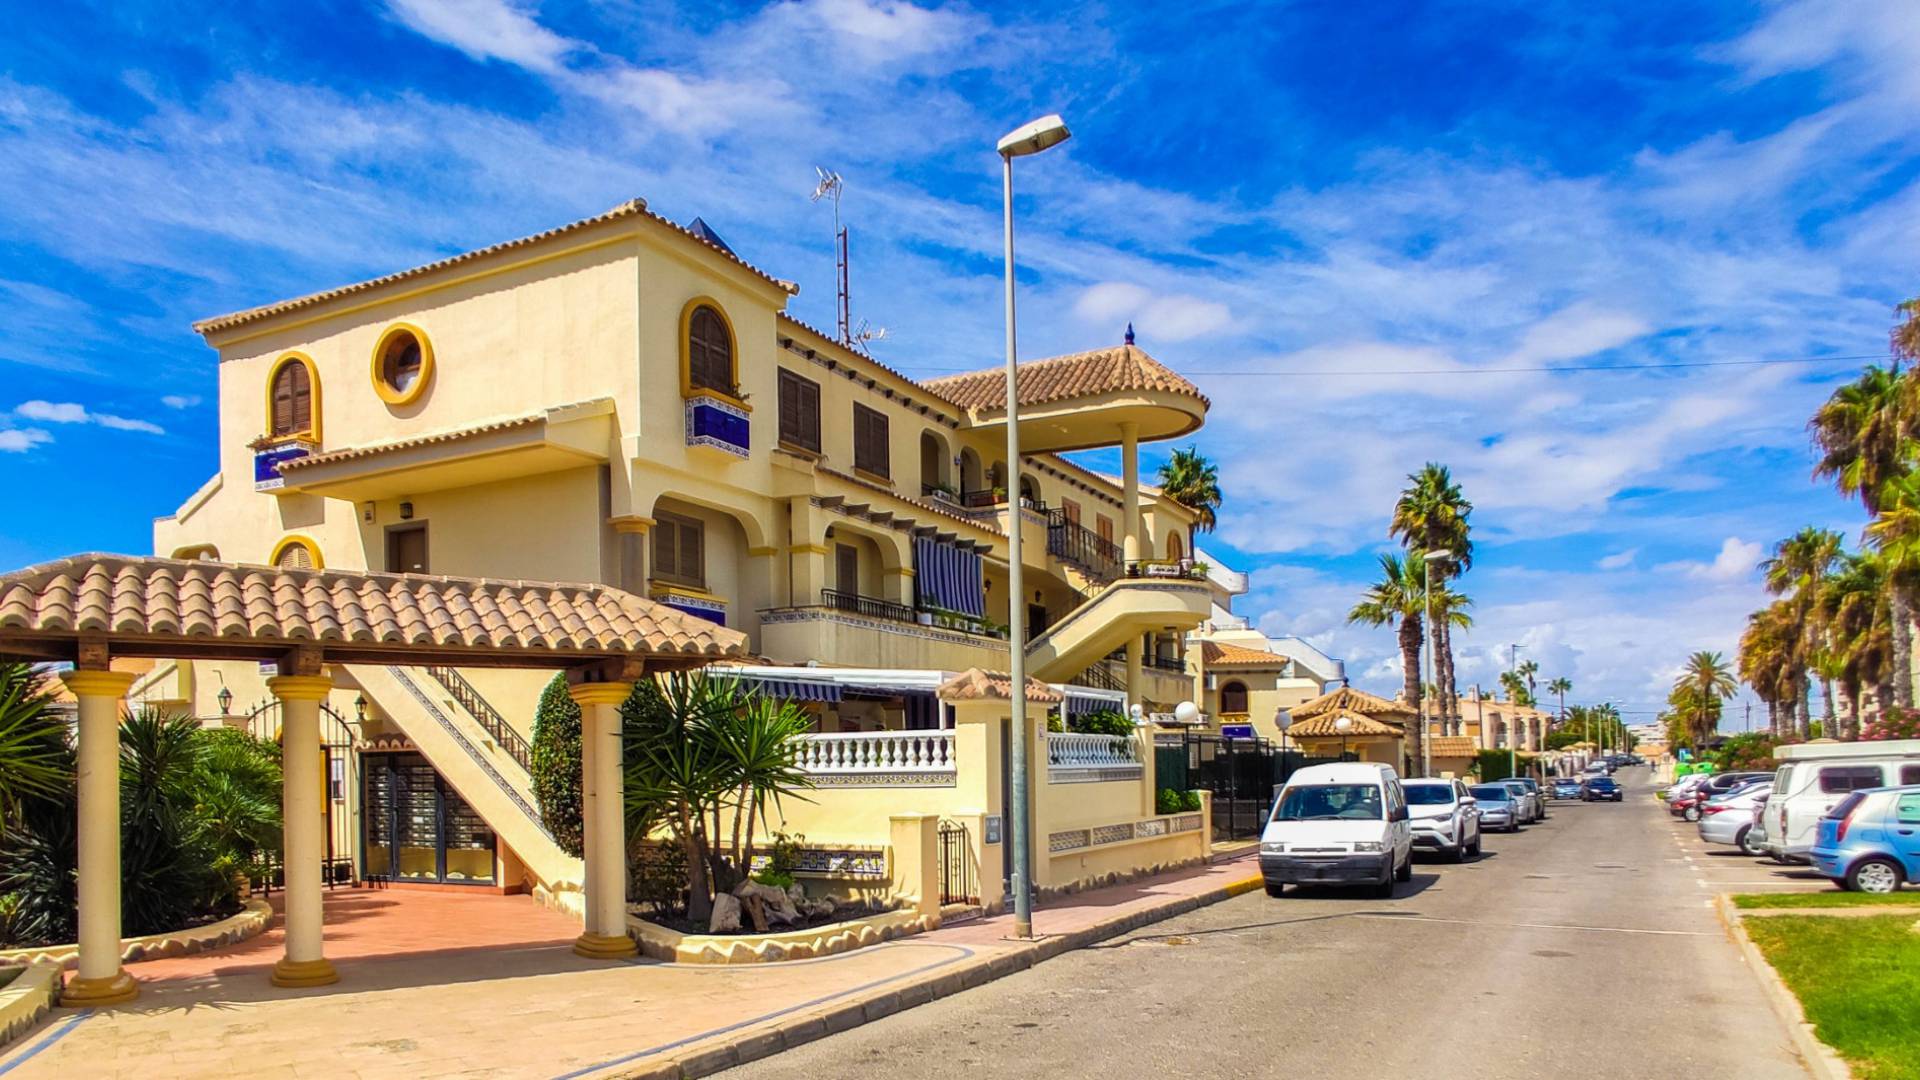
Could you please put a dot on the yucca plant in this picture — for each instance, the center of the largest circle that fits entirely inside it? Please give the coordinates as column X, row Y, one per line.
column 35, row 758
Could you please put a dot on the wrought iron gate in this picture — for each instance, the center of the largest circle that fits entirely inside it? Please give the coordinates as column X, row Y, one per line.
column 339, row 783
column 1241, row 774
column 956, row 866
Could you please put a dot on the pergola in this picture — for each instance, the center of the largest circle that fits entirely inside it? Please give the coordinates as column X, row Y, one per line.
column 87, row 609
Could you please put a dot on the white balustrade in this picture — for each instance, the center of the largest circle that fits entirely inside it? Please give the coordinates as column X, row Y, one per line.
column 853, row 753
column 1074, row 750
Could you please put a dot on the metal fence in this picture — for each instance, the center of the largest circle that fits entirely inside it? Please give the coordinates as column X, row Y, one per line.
column 1241, row 774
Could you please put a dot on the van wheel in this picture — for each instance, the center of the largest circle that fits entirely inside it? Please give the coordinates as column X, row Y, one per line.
column 1276, row 888
column 1405, row 873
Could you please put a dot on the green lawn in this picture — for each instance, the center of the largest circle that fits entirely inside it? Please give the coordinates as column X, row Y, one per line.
column 1857, row 979
column 1830, row 898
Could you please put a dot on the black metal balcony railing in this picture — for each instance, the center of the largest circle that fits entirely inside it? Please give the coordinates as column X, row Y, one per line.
column 871, row 607
column 1100, row 677
column 1073, row 542
column 1167, row 663
column 480, row 709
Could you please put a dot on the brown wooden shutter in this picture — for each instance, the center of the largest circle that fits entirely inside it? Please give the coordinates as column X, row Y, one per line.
column 870, row 451
column 709, row 351
column 799, row 411
column 302, row 397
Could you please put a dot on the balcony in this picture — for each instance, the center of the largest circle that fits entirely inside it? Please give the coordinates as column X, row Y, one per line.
column 849, row 630
column 1070, row 541
column 898, row 758
column 871, row 607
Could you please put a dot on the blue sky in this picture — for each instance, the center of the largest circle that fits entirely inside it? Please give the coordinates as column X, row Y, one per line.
column 1376, row 234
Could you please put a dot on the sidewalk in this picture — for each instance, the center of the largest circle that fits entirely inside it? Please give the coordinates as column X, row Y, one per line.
column 540, row 1011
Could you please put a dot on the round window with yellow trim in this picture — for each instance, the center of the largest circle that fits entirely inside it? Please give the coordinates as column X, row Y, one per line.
column 296, row 553
column 402, row 364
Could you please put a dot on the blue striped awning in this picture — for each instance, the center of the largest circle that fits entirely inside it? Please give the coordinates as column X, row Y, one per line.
column 1084, row 705
column 948, row 577
column 788, row 689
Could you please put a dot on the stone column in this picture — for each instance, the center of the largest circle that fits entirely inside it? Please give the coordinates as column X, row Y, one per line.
column 1130, row 490
column 305, row 962
column 605, row 936
column 100, row 980
column 1135, row 674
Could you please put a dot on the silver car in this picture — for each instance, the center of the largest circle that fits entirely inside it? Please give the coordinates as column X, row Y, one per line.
column 1729, row 819
column 1499, row 806
column 1527, row 803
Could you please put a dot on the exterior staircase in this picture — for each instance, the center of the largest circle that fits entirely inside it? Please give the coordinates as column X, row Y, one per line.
column 1119, row 612
column 474, row 748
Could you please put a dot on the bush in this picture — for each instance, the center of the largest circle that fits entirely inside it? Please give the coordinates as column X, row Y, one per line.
column 1104, row 722
column 1751, row 752
column 556, row 767
column 1893, row 723
column 659, row 877
column 1491, row 765
column 1169, row 801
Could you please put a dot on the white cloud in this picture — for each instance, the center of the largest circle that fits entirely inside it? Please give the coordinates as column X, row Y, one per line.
column 1109, row 305
column 1619, row 560
column 180, row 401
column 20, row 440
column 1738, row 560
column 487, row 30
column 67, row 412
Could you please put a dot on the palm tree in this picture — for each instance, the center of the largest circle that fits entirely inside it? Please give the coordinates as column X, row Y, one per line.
column 1399, row 599
column 1706, row 677
column 1767, row 661
column 1561, row 686
column 1798, row 570
column 1431, row 515
column 35, row 759
column 1855, row 604
column 1194, row 482
column 1515, row 686
column 1895, row 535
column 1865, row 435
column 1528, row 670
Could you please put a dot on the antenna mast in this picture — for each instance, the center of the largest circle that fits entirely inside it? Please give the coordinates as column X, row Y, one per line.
column 829, row 187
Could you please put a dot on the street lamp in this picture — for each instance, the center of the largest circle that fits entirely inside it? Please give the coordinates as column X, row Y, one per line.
column 225, row 698
column 1433, row 660
column 1343, row 725
column 1282, row 719
column 1027, row 139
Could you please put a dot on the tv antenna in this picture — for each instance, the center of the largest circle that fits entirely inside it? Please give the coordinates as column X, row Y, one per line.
column 829, row 187
column 866, row 333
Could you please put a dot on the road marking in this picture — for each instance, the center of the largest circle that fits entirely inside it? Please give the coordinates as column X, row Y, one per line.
column 1532, row 926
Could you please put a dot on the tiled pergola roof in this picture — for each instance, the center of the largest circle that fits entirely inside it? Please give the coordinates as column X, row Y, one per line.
column 138, row 606
column 1061, row 378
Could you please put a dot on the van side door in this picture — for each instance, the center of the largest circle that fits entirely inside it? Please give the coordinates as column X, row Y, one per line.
column 1832, row 783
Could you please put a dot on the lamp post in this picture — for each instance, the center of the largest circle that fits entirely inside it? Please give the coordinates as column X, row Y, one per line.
column 1028, row 139
column 1343, row 725
column 1433, row 660
column 1513, row 668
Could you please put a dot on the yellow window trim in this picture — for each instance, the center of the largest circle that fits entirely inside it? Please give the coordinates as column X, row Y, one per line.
column 387, row 392
column 313, row 550
column 312, row 431
column 687, row 389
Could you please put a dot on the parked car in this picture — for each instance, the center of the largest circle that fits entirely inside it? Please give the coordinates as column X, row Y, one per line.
column 1534, row 789
column 1498, row 805
column 1525, row 799
column 1728, row 819
column 1813, row 778
column 1446, row 817
column 1689, row 806
column 1566, row 787
column 1601, row 789
column 1340, row 824
column 1870, row 840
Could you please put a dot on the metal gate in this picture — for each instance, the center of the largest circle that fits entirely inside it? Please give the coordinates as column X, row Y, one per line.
column 339, row 782
column 956, row 864
column 1241, row 774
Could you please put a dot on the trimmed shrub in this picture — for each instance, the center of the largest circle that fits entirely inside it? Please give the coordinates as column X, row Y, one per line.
column 1104, row 722
column 556, row 767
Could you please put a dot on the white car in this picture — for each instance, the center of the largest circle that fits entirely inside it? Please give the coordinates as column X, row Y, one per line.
column 1445, row 817
column 1729, row 819
column 1814, row 777
column 1341, row 824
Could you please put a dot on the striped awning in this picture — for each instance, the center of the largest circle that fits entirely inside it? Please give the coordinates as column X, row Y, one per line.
column 788, row 689
column 1085, row 704
column 948, row 577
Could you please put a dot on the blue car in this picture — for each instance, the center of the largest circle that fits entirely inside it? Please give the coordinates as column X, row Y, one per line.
column 1870, row 841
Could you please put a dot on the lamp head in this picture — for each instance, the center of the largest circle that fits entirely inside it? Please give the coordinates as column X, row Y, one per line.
column 1282, row 719
column 1343, row 725
column 1439, row 557
column 1186, row 712
column 1031, row 138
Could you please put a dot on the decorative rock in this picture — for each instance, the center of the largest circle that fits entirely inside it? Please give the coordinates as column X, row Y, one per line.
column 779, row 908
column 756, row 910
column 821, row 908
column 726, row 915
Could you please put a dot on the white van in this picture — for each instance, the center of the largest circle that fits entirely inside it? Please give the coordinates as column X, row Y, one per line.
column 1813, row 778
column 1338, row 824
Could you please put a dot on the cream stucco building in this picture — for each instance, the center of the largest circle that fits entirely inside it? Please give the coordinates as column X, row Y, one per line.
column 625, row 401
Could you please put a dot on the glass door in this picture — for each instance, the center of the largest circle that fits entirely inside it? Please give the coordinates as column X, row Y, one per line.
column 418, row 829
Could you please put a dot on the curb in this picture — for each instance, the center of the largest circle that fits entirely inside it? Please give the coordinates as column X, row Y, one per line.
column 844, row 1015
column 1821, row 1060
column 28, row 998
column 254, row 916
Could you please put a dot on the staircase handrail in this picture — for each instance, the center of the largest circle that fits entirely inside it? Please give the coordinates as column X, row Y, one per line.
column 483, row 711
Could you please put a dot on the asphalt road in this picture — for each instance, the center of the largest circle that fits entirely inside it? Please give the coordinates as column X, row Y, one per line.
column 1585, row 945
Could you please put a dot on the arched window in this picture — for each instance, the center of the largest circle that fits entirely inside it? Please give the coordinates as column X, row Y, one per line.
column 709, row 351
column 1175, row 549
column 1029, row 491
column 1233, row 697
column 290, row 397
column 296, row 553
column 402, row 364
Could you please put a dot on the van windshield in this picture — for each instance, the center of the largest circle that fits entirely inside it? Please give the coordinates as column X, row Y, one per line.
column 1329, row 802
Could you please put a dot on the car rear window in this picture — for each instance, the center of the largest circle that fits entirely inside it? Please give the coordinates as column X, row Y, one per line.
column 1840, row 779
column 1845, row 806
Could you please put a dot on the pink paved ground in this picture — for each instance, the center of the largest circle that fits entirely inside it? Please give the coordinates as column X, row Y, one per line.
column 448, row 985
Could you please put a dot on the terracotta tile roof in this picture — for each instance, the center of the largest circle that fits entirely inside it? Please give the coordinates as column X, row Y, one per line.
column 128, row 597
column 1121, row 367
column 1452, row 745
column 1322, row 725
column 977, row 685
column 1222, row 654
column 371, row 449
column 1357, row 701
column 632, row 208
